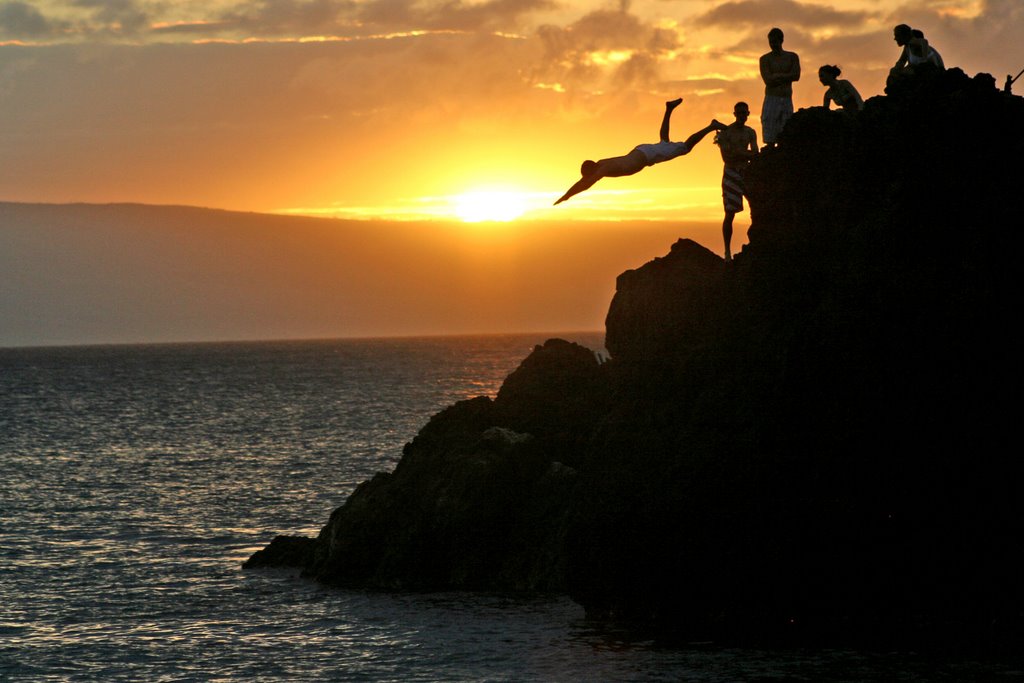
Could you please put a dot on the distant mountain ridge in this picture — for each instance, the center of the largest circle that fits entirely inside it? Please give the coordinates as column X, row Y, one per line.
column 818, row 439
column 121, row 273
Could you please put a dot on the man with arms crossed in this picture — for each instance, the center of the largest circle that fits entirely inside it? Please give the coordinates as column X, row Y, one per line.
column 779, row 70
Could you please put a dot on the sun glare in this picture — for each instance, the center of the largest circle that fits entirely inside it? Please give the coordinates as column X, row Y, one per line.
column 490, row 205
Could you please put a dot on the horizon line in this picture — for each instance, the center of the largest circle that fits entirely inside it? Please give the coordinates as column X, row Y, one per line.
column 356, row 215
column 292, row 340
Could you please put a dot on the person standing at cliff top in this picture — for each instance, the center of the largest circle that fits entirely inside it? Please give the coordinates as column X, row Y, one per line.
column 641, row 156
column 779, row 70
column 841, row 92
column 738, row 145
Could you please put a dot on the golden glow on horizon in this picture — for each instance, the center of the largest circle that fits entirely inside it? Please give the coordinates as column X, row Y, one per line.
column 490, row 205
column 609, row 203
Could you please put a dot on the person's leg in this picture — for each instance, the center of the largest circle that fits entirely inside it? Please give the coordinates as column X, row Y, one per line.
column 667, row 118
column 770, row 120
column 732, row 200
column 785, row 111
column 727, row 234
column 699, row 135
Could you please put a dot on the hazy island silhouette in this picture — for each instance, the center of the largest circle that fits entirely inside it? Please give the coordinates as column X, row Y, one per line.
column 817, row 438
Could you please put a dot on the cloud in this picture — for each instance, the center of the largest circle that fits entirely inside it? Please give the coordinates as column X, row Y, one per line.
column 286, row 17
column 193, row 28
column 75, row 21
column 99, row 20
column 297, row 18
column 862, row 49
column 1001, row 23
column 19, row 20
column 452, row 74
column 768, row 13
column 116, row 16
column 451, row 14
column 602, row 42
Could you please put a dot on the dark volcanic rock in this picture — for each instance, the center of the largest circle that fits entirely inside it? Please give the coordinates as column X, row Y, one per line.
column 477, row 501
column 659, row 309
column 557, row 394
column 832, row 448
column 817, row 437
column 283, row 551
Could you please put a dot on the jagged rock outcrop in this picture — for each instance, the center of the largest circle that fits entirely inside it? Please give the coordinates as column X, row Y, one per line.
column 478, row 498
column 283, row 551
column 659, row 311
column 820, row 435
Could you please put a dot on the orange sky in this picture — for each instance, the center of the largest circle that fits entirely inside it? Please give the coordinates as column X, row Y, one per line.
column 395, row 108
column 392, row 110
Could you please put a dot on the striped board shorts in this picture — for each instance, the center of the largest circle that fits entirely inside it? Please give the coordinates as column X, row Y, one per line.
column 733, row 190
column 775, row 112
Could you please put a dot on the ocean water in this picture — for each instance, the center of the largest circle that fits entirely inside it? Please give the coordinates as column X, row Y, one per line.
column 136, row 479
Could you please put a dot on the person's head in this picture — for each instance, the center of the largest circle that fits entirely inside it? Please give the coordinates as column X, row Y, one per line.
column 588, row 167
column 917, row 43
column 775, row 38
column 902, row 34
column 828, row 74
column 741, row 111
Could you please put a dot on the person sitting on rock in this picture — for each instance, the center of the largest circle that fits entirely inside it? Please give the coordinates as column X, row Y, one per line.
column 902, row 34
column 920, row 52
column 916, row 50
column 641, row 156
column 841, row 92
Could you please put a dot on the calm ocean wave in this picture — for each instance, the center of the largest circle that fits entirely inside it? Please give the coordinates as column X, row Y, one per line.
column 138, row 478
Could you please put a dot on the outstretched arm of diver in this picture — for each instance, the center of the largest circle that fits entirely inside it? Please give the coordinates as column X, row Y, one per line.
column 581, row 184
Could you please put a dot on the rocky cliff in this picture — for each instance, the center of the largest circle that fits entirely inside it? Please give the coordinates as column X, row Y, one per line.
column 819, row 435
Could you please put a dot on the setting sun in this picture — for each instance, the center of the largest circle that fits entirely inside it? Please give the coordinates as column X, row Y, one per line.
column 490, row 205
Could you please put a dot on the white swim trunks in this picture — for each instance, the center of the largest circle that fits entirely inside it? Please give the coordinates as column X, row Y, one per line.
column 662, row 151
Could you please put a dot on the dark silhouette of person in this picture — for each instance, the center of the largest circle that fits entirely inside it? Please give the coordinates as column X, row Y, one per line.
column 1010, row 80
column 641, row 156
column 902, row 34
column 920, row 52
column 841, row 92
column 738, row 144
column 779, row 70
column 915, row 50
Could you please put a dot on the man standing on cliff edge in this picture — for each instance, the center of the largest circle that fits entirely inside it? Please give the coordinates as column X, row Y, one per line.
column 738, row 145
column 779, row 70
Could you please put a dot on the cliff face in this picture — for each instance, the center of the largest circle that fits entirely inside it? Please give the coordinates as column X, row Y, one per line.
column 479, row 498
column 834, row 442
column 820, row 433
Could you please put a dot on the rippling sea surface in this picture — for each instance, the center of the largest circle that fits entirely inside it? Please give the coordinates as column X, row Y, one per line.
column 136, row 479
